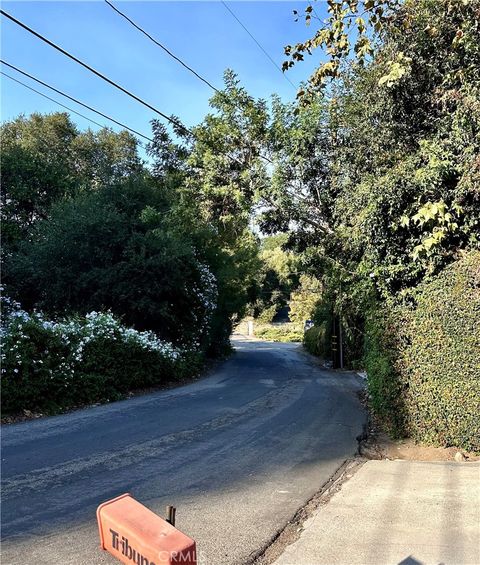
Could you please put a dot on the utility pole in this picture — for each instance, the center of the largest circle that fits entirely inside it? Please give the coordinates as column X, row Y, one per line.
column 340, row 335
column 334, row 341
column 340, row 341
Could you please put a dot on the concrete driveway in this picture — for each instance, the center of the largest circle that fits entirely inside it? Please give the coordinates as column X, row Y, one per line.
column 396, row 513
column 237, row 453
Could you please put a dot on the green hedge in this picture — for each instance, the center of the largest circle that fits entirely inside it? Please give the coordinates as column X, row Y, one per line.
column 423, row 362
column 386, row 388
column 316, row 342
column 283, row 333
column 52, row 366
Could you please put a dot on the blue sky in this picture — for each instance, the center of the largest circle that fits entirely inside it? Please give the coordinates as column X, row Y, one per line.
column 204, row 34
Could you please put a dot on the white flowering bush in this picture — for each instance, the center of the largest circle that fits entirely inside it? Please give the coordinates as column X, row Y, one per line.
column 103, row 326
column 52, row 365
column 206, row 295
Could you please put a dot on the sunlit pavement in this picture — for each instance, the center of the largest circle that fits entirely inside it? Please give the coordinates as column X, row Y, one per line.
column 396, row 512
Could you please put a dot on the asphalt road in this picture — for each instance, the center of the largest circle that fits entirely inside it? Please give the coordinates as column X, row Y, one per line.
column 237, row 453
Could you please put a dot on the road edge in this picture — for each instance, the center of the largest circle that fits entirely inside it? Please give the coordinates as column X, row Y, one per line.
column 288, row 534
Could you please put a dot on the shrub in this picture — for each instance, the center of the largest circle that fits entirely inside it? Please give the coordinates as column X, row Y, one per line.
column 36, row 365
column 442, row 360
column 56, row 365
column 318, row 340
column 111, row 249
column 384, row 384
column 423, row 362
column 267, row 315
column 282, row 333
column 305, row 299
column 315, row 341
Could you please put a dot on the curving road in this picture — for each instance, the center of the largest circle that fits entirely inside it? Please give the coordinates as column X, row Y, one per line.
column 237, row 453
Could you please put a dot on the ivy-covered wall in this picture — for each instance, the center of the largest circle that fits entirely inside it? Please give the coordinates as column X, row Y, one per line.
column 423, row 362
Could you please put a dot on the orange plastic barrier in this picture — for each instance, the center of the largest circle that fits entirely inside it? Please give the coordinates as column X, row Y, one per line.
column 135, row 535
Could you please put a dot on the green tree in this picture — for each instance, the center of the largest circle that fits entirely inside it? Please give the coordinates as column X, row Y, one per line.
column 305, row 299
column 115, row 249
column 397, row 195
column 217, row 177
column 275, row 279
column 378, row 175
column 45, row 159
column 105, row 157
column 36, row 168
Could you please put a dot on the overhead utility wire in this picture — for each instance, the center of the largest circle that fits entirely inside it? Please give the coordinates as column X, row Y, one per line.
column 258, row 43
column 91, row 69
column 177, row 59
column 135, row 25
column 73, row 100
column 66, row 53
column 51, row 99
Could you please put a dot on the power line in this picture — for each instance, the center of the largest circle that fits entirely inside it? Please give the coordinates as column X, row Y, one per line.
column 162, row 46
column 177, row 58
column 258, row 43
column 51, row 99
column 135, row 25
column 66, row 53
column 73, row 100
column 173, row 121
column 91, row 69
column 171, row 55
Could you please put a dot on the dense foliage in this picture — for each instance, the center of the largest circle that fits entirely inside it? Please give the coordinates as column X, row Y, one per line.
column 304, row 300
column 49, row 365
column 368, row 188
column 316, row 342
column 88, row 226
column 386, row 161
column 113, row 249
column 275, row 279
column 45, row 159
column 423, row 360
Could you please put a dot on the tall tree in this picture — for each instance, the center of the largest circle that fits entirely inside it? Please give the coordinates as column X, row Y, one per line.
column 45, row 159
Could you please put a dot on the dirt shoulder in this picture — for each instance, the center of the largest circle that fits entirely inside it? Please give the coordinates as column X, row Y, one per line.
column 380, row 446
